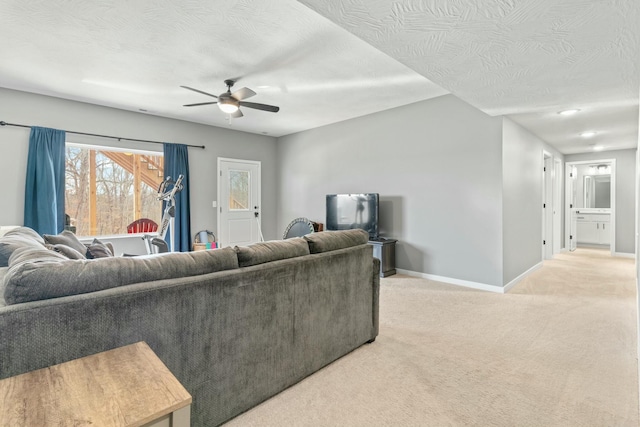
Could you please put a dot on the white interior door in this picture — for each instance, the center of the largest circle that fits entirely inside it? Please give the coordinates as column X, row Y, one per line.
column 547, row 206
column 557, row 205
column 574, row 231
column 572, row 234
column 238, row 202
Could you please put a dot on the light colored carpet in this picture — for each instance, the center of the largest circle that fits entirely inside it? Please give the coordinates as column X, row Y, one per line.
column 558, row 350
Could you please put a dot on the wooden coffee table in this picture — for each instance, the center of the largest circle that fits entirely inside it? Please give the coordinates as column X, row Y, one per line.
column 127, row 386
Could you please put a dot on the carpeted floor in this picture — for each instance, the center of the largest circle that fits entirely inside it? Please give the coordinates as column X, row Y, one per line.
column 558, row 350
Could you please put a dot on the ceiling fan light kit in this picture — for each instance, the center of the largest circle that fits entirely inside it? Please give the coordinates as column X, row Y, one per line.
column 230, row 103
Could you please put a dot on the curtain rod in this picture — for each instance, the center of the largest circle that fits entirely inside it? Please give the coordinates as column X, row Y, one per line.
column 119, row 138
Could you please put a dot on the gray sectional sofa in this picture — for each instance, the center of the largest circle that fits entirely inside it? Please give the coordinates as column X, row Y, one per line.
column 235, row 325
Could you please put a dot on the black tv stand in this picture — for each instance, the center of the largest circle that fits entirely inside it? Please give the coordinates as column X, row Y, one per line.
column 385, row 251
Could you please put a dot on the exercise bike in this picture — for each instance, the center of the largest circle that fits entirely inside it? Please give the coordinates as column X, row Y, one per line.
column 166, row 192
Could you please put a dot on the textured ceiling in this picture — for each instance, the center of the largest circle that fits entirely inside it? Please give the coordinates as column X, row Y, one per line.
column 524, row 59
column 135, row 54
column 527, row 59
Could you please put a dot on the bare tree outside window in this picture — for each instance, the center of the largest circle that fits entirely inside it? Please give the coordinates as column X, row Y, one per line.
column 108, row 190
column 238, row 190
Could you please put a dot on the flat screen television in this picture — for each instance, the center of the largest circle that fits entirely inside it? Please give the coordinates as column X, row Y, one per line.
column 348, row 211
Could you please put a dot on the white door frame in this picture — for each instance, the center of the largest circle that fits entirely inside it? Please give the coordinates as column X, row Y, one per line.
column 567, row 167
column 547, row 205
column 557, row 205
column 258, row 189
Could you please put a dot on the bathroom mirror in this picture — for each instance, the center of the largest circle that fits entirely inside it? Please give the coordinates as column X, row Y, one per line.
column 597, row 191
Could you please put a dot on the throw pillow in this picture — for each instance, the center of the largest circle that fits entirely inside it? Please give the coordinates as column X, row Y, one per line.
column 67, row 251
column 66, row 238
column 97, row 249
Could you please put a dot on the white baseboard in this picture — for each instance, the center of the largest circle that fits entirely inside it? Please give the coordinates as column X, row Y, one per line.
column 469, row 284
column 452, row 281
column 515, row 281
column 624, row 255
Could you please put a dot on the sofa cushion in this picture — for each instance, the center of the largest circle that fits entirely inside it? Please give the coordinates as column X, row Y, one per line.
column 29, row 254
column 262, row 252
column 33, row 281
column 3, row 272
column 18, row 238
column 333, row 240
column 66, row 238
column 97, row 249
column 26, row 232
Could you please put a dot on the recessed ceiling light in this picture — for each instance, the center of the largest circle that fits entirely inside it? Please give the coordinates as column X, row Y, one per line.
column 568, row 112
column 588, row 134
column 263, row 87
column 597, row 148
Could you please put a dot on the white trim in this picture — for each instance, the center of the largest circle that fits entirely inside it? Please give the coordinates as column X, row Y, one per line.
column 547, row 217
column 469, row 284
column 97, row 147
column 452, row 281
column 515, row 281
column 557, row 205
column 624, row 255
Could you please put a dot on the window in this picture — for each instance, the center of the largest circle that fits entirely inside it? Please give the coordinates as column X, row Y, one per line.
column 106, row 190
column 238, row 190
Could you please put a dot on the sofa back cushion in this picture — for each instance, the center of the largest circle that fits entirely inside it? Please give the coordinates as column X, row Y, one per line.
column 22, row 237
column 260, row 253
column 37, row 279
column 333, row 240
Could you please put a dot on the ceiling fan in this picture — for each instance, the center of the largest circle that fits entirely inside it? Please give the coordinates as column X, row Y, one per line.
column 230, row 103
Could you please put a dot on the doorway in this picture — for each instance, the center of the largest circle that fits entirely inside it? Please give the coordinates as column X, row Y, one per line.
column 590, row 204
column 239, row 195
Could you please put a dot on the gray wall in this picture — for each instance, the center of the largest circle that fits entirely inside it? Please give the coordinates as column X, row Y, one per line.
column 32, row 109
column 437, row 165
column 625, row 193
column 521, row 199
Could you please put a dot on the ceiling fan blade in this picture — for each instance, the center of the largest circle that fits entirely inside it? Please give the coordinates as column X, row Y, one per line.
column 199, row 91
column 200, row 103
column 237, row 114
column 243, row 93
column 263, row 107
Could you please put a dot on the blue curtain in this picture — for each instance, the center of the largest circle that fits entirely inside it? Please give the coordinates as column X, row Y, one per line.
column 44, row 189
column 176, row 162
